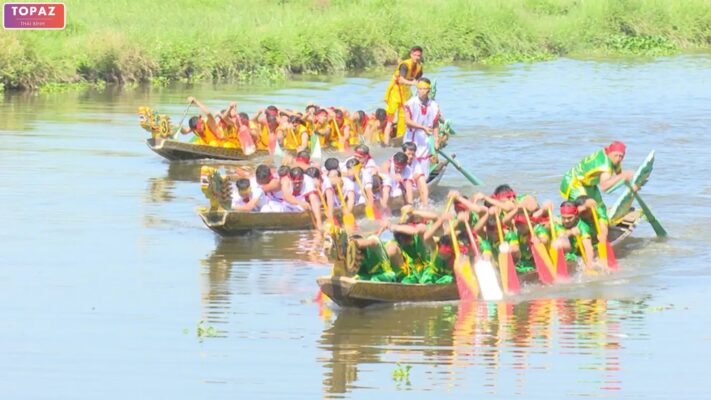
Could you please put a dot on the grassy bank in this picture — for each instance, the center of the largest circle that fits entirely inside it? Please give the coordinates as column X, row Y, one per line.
column 162, row 41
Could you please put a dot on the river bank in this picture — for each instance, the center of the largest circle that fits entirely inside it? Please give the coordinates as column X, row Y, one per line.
column 141, row 41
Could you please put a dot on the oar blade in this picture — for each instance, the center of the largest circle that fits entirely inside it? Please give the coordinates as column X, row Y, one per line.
column 561, row 264
column 611, row 258
column 509, row 279
column 488, row 281
column 349, row 222
column 467, row 286
column 544, row 265
column 370, row 213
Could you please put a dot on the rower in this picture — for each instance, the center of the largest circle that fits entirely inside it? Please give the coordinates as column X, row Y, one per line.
column 207, row 130
column 374, row 132
column 397, row 179
column 325, row 189
column 248, row 199
column 573, row 234
column 303, row 195
column 371, row 260
column 420, row 172
column 271, row 185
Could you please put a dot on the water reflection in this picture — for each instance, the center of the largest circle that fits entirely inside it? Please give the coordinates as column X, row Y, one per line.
column 256, row 263
column 496, row 346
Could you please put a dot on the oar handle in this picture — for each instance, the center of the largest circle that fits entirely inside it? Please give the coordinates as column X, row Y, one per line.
column 658, row 229
column 554, row 235
column 471, row 178
column 498, row 228
column 596, row 219
column 180, row 125
column 471, row 238
column 528, row 222
column 455, row 242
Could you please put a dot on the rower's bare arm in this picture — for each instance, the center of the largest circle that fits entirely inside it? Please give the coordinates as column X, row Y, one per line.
column 201, row 106
column 406, row 229
column 480, row 223
column 504, row 205
column 429, row 234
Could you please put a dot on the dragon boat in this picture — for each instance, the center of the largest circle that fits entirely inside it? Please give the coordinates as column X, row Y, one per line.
column 164, row 142
column 228, row 223
column 346, row 291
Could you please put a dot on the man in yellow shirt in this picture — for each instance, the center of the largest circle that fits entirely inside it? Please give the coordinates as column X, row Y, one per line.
column 398, row 92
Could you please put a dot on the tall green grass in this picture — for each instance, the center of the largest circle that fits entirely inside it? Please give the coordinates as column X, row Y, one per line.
column 163, row 41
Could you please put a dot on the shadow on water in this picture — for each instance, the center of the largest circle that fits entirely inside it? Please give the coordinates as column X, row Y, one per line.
column 501, row 342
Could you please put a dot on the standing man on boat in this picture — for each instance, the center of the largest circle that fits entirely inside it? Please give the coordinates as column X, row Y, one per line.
column 398, row 92
column 600, row 170
column 422, row 120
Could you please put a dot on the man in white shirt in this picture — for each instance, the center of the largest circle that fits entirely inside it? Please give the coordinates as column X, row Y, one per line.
column 397, row 179
column 422, row 120
column 249, row 198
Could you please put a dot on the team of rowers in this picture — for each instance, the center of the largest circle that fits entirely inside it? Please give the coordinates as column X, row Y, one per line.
column 502, row 221
column 335, row 127
column 303, row 184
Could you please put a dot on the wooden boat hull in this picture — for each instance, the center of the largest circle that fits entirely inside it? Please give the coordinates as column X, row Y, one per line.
column 175, row 150
column 229, row 223
column 349, row 292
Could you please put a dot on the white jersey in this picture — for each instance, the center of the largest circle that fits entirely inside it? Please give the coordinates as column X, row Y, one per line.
column 348, row 186
column 308, row 187
column 423, row 114
column 396, row 188
column 257, row 192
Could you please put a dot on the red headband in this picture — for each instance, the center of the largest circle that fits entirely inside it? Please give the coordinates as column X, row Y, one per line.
column 616, row 146
column 364, row 122
column 504, row 195
column 445, row 249
column 362, row 154
column 569, row 210
column 304, row 160
column 459, row 206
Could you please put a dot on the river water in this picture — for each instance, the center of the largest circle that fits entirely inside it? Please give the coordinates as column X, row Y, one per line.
column 107, row 271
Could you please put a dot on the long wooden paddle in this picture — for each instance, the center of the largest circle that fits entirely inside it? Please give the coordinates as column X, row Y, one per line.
column 340, row 145
column 467, row 287
column 658, row 229
column 369, row 212
column 584, row 256
column 331, row 219
column 471, row 178
column 180, row 125
column 509, row 279
column 605, row 252
column 485, row 274
column 348, row 218
column 544, row 264
column 466, row 290
column 557, row 254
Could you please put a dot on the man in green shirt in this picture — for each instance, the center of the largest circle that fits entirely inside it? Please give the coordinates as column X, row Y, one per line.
column 599, row 171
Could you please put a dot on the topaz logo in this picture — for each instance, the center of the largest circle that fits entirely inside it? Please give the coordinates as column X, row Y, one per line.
column 34, row 16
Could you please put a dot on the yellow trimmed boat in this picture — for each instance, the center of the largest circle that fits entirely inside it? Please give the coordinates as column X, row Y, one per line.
column 227, row 223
